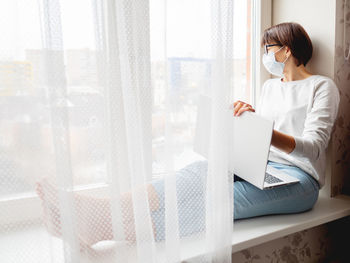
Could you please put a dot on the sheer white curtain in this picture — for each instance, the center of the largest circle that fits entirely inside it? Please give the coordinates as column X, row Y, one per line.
column 100, row 104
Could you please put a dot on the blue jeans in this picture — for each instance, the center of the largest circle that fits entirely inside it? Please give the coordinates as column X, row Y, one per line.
column 249, row 201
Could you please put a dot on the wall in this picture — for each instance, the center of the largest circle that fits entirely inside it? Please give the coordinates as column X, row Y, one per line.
column 304, row 246
column 324, row 243
column 341, row 137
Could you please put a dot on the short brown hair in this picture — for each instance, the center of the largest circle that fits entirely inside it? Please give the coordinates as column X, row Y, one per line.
column 293, row 36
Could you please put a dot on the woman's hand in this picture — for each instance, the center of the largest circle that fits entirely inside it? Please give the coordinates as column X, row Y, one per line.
column 240, row 107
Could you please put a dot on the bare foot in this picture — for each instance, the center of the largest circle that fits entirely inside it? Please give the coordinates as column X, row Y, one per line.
column 93, row 214
column 48, row 195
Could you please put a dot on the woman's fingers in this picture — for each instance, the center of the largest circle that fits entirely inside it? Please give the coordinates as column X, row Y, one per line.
column 236, row 102
column 243, row 109
column 239, row 102
column 240, row 106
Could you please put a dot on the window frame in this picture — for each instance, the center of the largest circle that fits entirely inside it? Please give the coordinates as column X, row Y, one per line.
column 261, row 15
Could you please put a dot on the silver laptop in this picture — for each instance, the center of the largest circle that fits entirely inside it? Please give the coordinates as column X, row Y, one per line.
column 249, row 147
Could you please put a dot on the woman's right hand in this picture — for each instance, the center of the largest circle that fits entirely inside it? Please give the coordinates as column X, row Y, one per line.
column 240, row 107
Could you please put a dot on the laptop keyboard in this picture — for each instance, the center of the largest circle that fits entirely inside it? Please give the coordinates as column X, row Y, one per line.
column 271, row 179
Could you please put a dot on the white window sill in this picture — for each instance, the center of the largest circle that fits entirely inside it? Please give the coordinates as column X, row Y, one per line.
column 247, row 232
column 254, row 231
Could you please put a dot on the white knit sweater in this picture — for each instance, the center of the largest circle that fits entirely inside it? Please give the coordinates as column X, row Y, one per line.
column 305, row 109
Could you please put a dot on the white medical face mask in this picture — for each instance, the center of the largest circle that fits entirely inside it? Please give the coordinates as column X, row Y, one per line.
column 273, row 66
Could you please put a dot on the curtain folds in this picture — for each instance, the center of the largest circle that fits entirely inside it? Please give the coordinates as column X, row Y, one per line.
column 102, row 103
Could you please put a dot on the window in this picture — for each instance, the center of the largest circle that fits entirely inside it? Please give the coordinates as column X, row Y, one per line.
column 188, row 67
column 188, row 64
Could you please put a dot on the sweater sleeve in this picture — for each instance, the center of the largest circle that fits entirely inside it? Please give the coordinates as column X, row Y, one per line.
column 319, row 121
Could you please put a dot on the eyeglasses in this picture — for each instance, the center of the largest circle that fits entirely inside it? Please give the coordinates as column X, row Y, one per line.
column 270, row 45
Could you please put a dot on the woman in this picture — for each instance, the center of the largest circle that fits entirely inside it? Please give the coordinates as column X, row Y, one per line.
column 304, row 107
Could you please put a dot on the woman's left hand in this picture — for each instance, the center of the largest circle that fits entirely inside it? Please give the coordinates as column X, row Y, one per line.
column 240, row 107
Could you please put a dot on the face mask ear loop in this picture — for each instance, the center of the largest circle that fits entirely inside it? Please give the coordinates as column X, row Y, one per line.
column 279, row 49
column 286, row 57
column 285, row 60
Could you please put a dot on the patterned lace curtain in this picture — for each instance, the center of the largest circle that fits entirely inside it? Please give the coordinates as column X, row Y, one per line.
column 114, row 130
